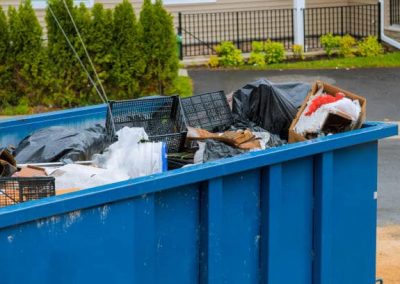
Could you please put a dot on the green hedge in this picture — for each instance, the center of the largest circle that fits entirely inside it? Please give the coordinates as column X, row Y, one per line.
column 133, row 57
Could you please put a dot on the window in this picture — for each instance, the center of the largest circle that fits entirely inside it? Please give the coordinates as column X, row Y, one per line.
column 41, row 4
column 177, row 2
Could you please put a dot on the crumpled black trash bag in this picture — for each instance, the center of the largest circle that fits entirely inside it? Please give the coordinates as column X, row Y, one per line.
column 58, row 143
column 215, row 150
column 270, row 106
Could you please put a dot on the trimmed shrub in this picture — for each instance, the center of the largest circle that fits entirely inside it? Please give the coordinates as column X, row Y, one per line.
column 4, row 39
column 70, row 82
column 330, row 43
column 274, row 52
column 128, row 63
column 257, row 55
column 370, row 46
column 228, row 54
column 257, row 46
column 98, row 41
column 213, row 62
column 26, row 57
column 168, row 60
column 4, row 70
column 257, row 59
column 159, row 45
column 347, row 46
column 298, row 51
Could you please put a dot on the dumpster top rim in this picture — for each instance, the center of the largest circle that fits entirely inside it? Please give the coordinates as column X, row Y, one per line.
column 56, row 205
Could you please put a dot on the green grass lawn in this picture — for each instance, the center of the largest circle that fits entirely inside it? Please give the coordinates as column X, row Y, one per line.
column 386, row 60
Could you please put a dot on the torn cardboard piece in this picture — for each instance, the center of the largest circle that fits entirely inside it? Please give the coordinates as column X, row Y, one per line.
column 242, row 139
column 8, row 165
column 346, row 112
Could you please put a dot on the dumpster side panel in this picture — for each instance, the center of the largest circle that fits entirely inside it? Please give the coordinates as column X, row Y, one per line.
column 346, row 215
column 150, row 239
column 230, row 229
column 288, row 223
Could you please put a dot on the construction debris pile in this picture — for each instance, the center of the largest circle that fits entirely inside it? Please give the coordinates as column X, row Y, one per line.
column 152, row 135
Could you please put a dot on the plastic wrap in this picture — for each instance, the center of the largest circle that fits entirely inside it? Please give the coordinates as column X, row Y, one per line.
column 125, row 159
column 58, row 143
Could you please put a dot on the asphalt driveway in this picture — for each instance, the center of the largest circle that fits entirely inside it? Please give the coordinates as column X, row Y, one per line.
column 381, row 87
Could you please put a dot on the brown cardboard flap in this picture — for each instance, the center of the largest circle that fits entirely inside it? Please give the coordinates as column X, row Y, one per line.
column 330, row 89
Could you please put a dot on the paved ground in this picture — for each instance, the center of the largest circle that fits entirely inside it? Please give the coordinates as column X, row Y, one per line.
column 381, row 87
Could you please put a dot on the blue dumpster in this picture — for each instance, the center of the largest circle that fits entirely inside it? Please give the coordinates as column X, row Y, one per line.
column 303, row 213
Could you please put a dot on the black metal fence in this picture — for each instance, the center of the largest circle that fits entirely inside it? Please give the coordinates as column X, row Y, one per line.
column 358, row 21
column 394, row 12
column 201, row 32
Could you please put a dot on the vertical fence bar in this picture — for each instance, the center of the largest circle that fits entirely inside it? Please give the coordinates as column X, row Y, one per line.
column 341, row 21
column 379, row 7
column 180, row 36
column 237, row 30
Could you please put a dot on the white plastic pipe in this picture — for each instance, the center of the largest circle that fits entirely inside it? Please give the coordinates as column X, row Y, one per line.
column 385, row 38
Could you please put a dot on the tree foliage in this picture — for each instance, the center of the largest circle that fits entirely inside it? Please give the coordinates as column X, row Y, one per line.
column 131, row 57
column 128, row 63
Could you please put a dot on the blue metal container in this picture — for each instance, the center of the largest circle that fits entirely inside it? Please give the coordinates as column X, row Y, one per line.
column 299, row 214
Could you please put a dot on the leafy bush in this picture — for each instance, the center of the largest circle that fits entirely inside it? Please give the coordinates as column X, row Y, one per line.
column 330, row 43
column 228, row 54
column 298, row 51
column 257, row 55
column 257, row 59
column 274, row 52
column 213, row 62
column 257, row 46
column 370, row 46
column 347, row 46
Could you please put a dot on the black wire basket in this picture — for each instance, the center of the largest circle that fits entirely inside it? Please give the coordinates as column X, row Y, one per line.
column 15, row 190
column 208, row 111
column 161, row 117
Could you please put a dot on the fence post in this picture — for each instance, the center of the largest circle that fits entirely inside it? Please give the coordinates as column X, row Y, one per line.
column 180, row 36
column 379, row 20
column 237, row 30
column 299, row 8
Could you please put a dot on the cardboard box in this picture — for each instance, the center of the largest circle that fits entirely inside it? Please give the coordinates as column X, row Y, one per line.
column 330, row 89
column 31, row 171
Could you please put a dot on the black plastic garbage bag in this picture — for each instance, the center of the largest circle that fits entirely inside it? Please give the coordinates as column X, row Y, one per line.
column 59, row 143
column 211, row 150
column 268, row 105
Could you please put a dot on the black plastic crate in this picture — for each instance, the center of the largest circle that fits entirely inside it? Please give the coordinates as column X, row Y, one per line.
column 208, row 111
column 161, row 117
column 15, row 190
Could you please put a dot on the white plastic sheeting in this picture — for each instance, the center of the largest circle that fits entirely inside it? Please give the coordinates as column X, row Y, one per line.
column 125, row 159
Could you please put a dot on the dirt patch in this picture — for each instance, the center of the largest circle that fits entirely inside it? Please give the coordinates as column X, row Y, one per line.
column 388, row 254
